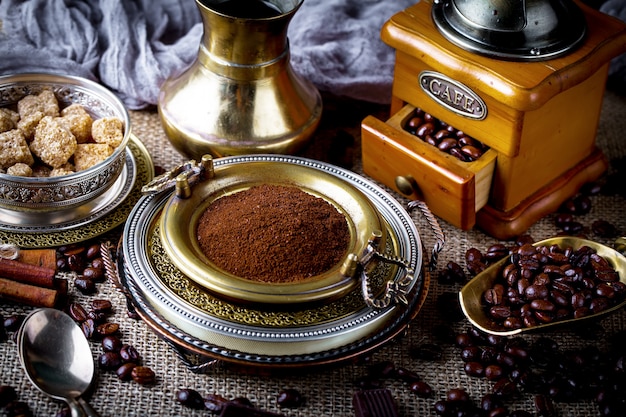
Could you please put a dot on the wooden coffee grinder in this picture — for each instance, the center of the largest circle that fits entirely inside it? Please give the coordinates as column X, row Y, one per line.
column 525, row 78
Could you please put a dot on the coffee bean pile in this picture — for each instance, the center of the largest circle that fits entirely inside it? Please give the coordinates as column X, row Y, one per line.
column 545, row 284
column 444, row 137
column 116, row 356
column 85, row 261
column 123, row 359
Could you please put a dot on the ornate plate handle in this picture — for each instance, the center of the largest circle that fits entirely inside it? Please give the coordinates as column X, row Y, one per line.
column 396, row 289
column 182, row 177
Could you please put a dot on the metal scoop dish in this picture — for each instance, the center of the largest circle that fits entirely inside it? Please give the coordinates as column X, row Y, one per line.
column 471, row 295
column 57, row 358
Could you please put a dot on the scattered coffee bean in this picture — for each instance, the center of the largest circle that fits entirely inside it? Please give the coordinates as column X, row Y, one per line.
column 544, row 406
column 13, row 322
column 453, row 273
column 111, row 343
column 603, row 228
column 143, row 375
column 7, row 394
column 85, row 286
column 97, row 316
column 77, row 312
column 109, row 361
column 93, row 274
column 190, row 398
column 75, row 263
column 92, row 252
column 18, row 408
column 125, row 370
column 98, row 263
column 457, row 395
column 422, row 389
column 290, row 398
column 101, row 306
column 242, row 401
column 215, row 403
column 128, row 353
column 107, row 329
column 89, row 328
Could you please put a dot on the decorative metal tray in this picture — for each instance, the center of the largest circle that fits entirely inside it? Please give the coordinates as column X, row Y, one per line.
column 180, row 240
column 202, row 325
column 38, row 230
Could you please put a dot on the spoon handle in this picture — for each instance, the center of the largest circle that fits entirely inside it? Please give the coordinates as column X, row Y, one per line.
column 90, row 412
column 75, row 409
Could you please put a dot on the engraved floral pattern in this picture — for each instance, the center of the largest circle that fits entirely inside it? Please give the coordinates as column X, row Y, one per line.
column 198, row 297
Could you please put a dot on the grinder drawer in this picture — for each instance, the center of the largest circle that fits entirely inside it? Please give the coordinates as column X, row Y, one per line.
column 453, row 189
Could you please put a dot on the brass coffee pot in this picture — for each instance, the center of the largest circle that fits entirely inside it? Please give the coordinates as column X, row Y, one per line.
column 241, row 95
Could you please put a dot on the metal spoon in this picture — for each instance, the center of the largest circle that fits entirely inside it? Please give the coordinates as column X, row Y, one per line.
column 471, row 294
column 57, row 358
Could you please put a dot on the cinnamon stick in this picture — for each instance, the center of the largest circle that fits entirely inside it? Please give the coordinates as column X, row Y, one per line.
column 40, row 257
column 27, row 273
column 28, row 294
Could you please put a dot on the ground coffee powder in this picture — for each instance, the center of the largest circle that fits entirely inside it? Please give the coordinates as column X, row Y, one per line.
column 273, row 233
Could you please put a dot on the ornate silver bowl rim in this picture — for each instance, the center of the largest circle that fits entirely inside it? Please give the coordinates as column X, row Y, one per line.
column 67, row 191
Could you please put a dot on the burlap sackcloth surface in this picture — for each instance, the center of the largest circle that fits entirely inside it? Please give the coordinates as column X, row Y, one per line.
column 328, row 392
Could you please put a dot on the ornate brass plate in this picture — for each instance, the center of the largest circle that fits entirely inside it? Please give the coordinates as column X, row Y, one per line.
column 471, row 294
column 180, row 218
column 183, row 312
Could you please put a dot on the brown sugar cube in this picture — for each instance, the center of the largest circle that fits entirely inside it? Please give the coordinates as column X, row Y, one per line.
column 89, row 154
column 8, row 119
column 44, row 102
column 49, row 103
column 73, row 108
column 53, row 143
column 109, row 130
column 14, row 149
column 20, row 170
column 28, row 123
column 76, row 119
column 28, row 105
column 66, row 169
